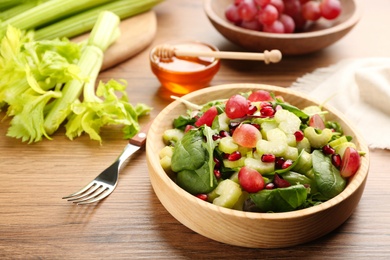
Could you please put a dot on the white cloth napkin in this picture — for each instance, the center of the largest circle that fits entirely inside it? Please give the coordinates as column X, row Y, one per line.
column 359, row 88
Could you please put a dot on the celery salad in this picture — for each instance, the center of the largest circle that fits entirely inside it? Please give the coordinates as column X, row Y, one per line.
column 255, row 152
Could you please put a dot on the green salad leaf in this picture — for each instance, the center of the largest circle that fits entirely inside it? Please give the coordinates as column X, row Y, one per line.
column 280, row 199
column 327, row 176
column 189, row 153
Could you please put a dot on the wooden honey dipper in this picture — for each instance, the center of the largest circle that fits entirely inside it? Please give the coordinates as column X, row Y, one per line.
column 167, row 52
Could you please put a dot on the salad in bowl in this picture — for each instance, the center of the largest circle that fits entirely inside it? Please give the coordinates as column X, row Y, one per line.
column 256, row 165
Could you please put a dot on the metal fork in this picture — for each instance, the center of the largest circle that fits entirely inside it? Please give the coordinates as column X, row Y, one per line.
column 105, row 183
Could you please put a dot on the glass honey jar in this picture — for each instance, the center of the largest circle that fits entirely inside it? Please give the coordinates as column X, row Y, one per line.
column 182, row 75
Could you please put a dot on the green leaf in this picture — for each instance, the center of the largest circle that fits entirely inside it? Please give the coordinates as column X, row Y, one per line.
column 328, row 178
column 293, row 109
column 281, row 199
column 189, row 153
column 196, row 181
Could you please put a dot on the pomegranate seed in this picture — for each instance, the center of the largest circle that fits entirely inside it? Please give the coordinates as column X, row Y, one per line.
column 216, row 137
column 299, row 135
column 327, row 149
column 202, row 196
column 224, row 133
column 279, row 161
column 267, row 111
column 257, row 126
column 287, row 164
column 280, row 182
column 217, row 173
column 217, row 162
column 265, row 104
column 234, row 156
column 252, row 109
column 336, row 160
column 269, row 186
column 188, row 128
column 268, row 158
column 225, row 156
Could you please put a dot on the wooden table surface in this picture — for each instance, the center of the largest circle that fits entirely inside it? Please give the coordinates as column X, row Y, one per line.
column 131, row 223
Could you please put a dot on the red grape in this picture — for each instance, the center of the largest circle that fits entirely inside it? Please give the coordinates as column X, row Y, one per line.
column 250, row 180
column 279, row 4
column 207, row 118
column 311, row 11
column 288, row 22
column 276, row 27
column 232, row 15
column 330, row 9
column 260, row 95
column 247, row 10
column 292, row 7
column 262, row 3
column 237, row 106
column 268, row 15
column 246, row 135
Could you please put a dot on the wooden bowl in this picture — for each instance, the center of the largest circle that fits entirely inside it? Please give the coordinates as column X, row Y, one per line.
column 249, row 229
column 319, row 36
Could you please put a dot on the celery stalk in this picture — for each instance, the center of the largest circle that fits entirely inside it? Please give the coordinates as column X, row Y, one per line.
column 103, row 107
column 90, row 63
column 84, row 21
column 49, row 12
column 20, row 8
column 6, row 4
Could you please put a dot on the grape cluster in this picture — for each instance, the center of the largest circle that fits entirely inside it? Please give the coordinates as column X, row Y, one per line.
column 280, row 16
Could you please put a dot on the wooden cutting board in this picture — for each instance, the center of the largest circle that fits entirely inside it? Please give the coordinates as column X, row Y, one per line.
column 137, row 33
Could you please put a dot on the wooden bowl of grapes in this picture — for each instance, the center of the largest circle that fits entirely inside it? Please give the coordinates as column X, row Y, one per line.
column 294, row 27
column 256, row 166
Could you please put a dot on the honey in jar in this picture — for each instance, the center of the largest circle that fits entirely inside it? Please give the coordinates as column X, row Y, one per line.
column 182, row 75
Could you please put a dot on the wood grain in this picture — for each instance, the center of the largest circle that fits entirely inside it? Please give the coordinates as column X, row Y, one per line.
column 35, row 223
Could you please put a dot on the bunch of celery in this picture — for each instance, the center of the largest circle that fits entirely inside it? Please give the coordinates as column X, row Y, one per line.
column 41, row 83
column 64, row 18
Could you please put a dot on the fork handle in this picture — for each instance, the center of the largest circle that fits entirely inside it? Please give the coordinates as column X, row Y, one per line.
column 140, row 138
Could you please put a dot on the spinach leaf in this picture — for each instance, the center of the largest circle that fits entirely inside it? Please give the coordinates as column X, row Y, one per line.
column 189, row 153
column 182, row 121
column 281, row 199
column 196, row 181
column 328, row 178
column 293, row 109
column 296, row 178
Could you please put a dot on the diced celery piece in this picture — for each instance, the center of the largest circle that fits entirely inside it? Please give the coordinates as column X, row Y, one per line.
column 234, row 177
column 166, row 151
column 223, row 122
column 276, row 135
column 166, row 163
column 278, row 148
column 291, row 153
column 304, row 163
column 318, row 140
column 229, row 192
column 241, row 200
column 291, row 140
column 234, row 164
column 304, row 144
column 312, row 110
column 266, row 126
column 338, row 141
column 227, row 145
column 260, row 166
column 288, row 121
column 172, row 135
